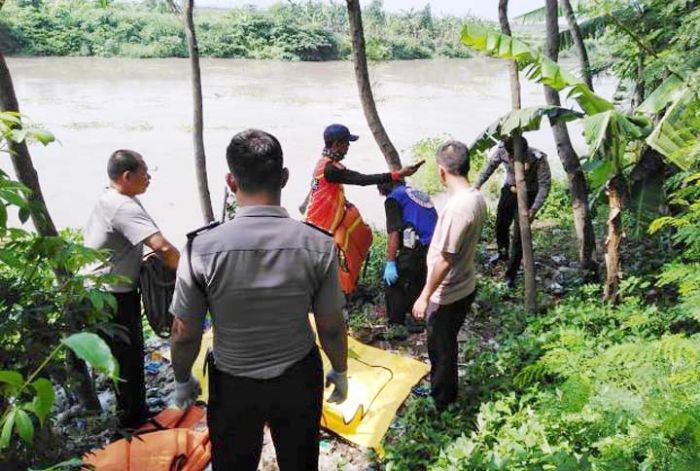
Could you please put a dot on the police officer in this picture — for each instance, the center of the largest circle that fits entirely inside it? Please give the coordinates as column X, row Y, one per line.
column 538, row 180
column 259, row 275
column 410, row 222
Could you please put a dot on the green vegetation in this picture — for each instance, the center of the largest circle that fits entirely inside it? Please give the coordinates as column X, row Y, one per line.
column 307, row 31
column 49, row 312
column 586, row 384
column 582, row 385
column 427, row 179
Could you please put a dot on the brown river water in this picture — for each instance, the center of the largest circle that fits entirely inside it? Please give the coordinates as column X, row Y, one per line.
column 96, row 105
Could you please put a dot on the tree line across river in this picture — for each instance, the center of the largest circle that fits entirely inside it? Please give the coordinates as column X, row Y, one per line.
column 307, row 31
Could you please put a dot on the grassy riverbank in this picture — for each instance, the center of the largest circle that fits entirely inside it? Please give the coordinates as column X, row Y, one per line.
column 310, row 31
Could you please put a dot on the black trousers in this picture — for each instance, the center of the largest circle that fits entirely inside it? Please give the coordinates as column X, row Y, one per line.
column 131, row 393
column 505, row 217
column 444, row 322
column 290, row 404
column 413, row 272
column 516, row 246
column 507, row 209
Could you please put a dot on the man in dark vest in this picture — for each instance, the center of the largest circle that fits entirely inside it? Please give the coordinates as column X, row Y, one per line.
column 410, row 222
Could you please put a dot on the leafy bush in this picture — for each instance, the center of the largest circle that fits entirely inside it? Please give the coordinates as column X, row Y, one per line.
column 427, row 178
column 45, row 301
column 557, row 206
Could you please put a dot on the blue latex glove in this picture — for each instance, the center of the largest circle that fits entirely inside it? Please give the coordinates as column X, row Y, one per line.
column 391, row 274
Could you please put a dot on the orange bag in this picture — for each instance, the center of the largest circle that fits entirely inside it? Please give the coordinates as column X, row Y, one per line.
column 353, row 238
column 174, row 440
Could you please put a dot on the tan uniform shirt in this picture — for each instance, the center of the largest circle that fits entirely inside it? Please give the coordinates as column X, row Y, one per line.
column 457, row 232
column 263, row 273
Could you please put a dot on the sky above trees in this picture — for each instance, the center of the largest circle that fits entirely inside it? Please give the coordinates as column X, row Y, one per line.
column 482, row 8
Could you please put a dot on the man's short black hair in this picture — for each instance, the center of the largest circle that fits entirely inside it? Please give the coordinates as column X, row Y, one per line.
column 254, row 157
column 122, row 160
column 386, row 188
column 508, row 143
column 454, row 157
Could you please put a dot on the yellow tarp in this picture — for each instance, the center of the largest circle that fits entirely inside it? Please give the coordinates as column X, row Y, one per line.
column 379, row 382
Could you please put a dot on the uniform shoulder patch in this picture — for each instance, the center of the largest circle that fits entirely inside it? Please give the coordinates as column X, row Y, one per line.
column 191, row 235
column 419, row 197
column 322, row 231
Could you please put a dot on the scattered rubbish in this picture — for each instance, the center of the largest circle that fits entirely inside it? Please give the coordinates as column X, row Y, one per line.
column 421, row 391
column 153, row 367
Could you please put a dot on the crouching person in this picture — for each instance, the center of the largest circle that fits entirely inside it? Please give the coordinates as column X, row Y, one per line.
column 259, row 275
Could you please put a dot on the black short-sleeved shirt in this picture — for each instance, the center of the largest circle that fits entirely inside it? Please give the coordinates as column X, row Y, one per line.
column 394, row 216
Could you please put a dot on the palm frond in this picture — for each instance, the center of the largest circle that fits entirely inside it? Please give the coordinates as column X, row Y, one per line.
column 590, row 28
column 536, row 16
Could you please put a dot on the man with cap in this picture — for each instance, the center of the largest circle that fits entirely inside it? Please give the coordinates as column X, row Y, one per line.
column 538, row 180
column 327, row 203
column 410, row 222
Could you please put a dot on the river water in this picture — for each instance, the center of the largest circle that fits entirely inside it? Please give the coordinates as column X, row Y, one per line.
column 97, row 105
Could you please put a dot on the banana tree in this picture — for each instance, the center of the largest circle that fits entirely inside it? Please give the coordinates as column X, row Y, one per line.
column 575, row 35
column 578, row 188
column 610, row 133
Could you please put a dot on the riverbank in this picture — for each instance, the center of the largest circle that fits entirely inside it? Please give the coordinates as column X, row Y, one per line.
column 310, row 31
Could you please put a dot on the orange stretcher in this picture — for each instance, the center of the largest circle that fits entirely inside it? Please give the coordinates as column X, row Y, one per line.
column 174, row 440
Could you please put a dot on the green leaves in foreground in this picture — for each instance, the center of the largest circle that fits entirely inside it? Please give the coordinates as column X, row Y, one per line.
column 538, row 67
column 676, row 136
column 91, row 348
column 13, row 387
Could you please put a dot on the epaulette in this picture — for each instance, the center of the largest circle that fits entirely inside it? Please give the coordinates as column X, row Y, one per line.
column 318, row 228
column 538, row 154
column 190, row 240
column 196, row 232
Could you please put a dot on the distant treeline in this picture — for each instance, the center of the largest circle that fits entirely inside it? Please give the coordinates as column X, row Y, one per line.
column 302, row 30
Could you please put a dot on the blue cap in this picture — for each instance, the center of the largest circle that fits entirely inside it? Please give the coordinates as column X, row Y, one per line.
column 338, row 132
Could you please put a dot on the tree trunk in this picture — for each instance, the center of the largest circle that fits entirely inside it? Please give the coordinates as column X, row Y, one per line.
column 615, row 192
column 22, row 161
column 81, row 383
column 520, row 184
column 579, row 43
column 362, row 76
column 638, row 96
column 583, row 225
column 27, row 175
column 200, row 159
